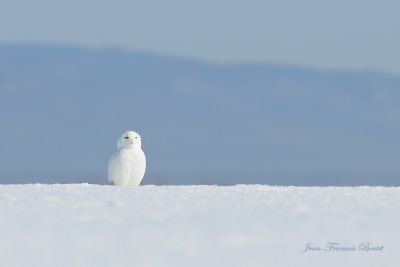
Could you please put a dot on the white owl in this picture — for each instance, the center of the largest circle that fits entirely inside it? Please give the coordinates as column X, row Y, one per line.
column 128, row 164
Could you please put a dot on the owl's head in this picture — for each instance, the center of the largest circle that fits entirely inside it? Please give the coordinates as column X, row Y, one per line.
column 129, row 139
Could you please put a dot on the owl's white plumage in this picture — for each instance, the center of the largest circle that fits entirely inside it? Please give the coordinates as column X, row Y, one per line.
column 128, row 164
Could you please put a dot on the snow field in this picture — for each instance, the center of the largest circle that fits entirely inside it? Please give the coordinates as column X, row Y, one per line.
column 243, row 225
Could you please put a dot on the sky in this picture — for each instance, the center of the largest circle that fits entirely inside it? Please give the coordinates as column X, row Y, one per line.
column 341, row 34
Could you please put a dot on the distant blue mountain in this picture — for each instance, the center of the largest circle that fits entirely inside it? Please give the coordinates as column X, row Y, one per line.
column 62, row 110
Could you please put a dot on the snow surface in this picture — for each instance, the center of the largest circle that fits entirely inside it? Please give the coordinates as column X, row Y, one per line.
column 243, row 225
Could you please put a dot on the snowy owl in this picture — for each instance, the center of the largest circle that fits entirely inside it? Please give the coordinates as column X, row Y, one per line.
column 128, row 164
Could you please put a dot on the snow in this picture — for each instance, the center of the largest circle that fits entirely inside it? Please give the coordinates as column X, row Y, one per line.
column 243, row 225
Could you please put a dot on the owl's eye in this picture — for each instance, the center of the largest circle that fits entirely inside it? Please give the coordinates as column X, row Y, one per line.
column 135, row 137
column 126, row 137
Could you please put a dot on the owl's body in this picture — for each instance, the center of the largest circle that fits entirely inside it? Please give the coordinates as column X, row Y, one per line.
column 128, row 164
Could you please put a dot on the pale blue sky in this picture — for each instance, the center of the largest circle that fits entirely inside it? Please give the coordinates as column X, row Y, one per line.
column 351, row 34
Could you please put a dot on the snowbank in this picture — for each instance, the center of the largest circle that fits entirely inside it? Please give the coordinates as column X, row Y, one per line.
column 244, row 225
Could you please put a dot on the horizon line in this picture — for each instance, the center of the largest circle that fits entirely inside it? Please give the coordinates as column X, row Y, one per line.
column 193, row 59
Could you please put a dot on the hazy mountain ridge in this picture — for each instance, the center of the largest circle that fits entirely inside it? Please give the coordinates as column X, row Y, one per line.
column 63, row 108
